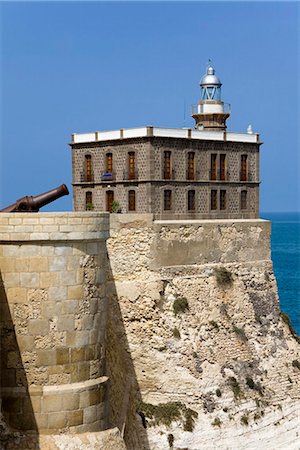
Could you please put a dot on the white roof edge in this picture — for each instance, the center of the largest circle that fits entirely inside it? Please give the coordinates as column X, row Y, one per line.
column 191, row 133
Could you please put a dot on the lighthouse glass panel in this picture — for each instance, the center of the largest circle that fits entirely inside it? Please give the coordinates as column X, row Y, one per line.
column 211, row 93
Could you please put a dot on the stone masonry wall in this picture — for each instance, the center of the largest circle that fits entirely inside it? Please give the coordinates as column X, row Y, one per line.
column 53, row 321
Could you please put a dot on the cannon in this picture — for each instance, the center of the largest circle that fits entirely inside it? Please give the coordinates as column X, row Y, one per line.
column 33, row 204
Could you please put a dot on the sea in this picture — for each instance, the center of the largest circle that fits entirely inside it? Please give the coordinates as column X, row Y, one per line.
column 285, row 247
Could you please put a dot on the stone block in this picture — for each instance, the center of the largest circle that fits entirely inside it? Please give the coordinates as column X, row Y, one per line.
column 11, row 279
column 41, row 421
column 94, row 396
column 84, row 399
column 57, row 263
column 49, row 279
column 46, row 357
column 52, row 403
column 81, row 338
column 83, row 371
column 57, row 293
column 7, row 264
column 62, row 355
column 57, row 420
column 30, row 280
column 68, row 278
column 75, row 418
column 90, row 414
column 17, row 295
column 38, row 327
column 70, row 307
column 38, row 264
column 70, row 402
column 25, row 342
column 77, row 354
column 65, row 323
column 63, row 250
column 35, row 401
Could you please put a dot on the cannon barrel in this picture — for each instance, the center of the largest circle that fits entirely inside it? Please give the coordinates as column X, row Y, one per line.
column 33, row 204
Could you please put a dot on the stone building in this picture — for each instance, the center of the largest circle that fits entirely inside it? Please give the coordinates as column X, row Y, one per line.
column 200, row 173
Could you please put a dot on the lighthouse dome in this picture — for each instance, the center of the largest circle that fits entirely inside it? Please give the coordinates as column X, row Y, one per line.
column 210, row 79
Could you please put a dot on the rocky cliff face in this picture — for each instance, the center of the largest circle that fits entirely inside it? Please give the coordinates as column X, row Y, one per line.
column 210, row 363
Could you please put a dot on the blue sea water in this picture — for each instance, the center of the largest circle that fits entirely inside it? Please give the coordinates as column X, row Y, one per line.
column 285, row 246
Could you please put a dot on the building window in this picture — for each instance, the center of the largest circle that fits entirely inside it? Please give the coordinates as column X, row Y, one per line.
column 131, row 201
column 167, row 165
column 213, row 199
column 191, row 166
column 109, row 163
column 243, row 199
column 88, row 168
column 243, row 174
column 109, row 200
column 191, row 200
column 89, row 201
column 222, row 200
column 167, row 200
column 213, row 166
column 131, row 166
column 222, row 167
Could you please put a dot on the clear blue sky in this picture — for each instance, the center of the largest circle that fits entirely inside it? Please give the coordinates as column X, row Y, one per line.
column 80, row 67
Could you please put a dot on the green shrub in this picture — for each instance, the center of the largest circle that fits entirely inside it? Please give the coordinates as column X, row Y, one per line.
column 89, row 207
column 223, row 277
column 256, row 417
column 214, row 324
column 218, row 393
column 166, row 413
column 286, row 320
column 217, row 422
column 296, row 364
column 240, row 332
column 195, row 355
column 255, row 386
column 115, row 206
column 176, row 333
column 235, row 387
column 180, row 305
column 245, row 420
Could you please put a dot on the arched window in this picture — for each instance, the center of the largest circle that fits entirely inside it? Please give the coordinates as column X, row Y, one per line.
column 131, row 166
column 88, row 168
column 109, row 163
column 109, row 200
column 89, row 201
column 131, row 200
column 191, row 200
column 191, row 166
column 167, row 200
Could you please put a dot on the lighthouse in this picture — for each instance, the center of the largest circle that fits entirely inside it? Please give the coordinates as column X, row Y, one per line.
column 210, row 114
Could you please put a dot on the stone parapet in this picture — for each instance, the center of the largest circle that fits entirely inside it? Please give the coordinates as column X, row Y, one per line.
column 53, row 320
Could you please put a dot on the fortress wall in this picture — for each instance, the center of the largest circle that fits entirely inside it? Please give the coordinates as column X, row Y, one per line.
column 229, row 331
column 53, row 320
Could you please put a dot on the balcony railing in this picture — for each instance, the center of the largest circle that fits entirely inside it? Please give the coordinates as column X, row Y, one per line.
column 130, row 175
column 87, row 177
column 108, row 176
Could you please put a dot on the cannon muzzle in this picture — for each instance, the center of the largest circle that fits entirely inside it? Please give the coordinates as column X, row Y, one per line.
column 33, row 204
